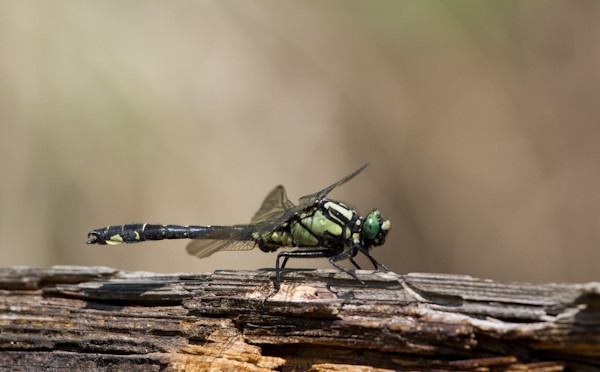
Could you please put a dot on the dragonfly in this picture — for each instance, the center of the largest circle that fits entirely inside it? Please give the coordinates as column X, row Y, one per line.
column 317, row 227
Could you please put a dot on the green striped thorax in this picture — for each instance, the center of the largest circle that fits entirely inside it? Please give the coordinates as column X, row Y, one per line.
column 329, row 224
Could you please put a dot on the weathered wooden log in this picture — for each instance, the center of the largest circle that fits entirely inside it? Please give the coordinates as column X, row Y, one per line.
column 83, row 318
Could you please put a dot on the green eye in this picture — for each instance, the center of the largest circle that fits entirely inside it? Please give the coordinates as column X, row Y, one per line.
column 371, row 226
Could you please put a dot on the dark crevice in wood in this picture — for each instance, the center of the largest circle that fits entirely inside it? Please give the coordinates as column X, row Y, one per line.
column 297, row 356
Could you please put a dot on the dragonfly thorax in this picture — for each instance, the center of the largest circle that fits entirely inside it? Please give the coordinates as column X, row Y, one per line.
column 327, row 224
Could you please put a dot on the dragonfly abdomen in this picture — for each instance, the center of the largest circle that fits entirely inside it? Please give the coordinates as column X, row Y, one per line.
column 138, row 232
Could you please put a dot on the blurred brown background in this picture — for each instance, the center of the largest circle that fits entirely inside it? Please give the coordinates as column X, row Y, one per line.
column 479, row 119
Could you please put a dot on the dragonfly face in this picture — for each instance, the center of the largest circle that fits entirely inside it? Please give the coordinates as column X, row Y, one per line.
column 375, row 228
column 317, row 226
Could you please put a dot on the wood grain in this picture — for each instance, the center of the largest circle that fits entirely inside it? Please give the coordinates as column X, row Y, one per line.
column 97, row 318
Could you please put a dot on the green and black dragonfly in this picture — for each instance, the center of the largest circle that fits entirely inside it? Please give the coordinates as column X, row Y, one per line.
column 317, row 226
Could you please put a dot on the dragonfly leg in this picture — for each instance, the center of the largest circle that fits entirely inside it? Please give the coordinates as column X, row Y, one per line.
column 285, row 260
column 354, row 263
column 342, row 256
column 376, row 265
column 318, row 253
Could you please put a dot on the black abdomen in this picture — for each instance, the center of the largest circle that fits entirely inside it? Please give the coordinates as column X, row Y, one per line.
column 139, row 232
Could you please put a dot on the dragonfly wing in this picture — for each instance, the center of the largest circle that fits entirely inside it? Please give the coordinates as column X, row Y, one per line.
column 212, row 239
column 275, row 210
column 233, row 238
column 270, row 216
column 274, row 205
column 310, row 199
column 205, row 247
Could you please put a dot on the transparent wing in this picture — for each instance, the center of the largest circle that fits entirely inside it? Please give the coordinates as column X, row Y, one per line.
column 221, row 238
column 205, row 247
column 274, row 205
column 281, row 215
column 228, row 238
column 310, row 199
column 275, row 210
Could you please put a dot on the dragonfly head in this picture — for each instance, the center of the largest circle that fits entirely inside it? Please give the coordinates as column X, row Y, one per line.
column 375, row 228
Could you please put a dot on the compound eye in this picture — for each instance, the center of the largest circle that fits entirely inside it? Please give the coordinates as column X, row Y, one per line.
column 372, row 225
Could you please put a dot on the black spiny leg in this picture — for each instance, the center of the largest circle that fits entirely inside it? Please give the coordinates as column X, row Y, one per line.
column 354, row 263
column 303, row 254
column 355, row 251
column 376, row 265
column 296, row 254
column 346, row 255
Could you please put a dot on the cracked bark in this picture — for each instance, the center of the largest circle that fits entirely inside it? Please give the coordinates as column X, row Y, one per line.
column 85, row 318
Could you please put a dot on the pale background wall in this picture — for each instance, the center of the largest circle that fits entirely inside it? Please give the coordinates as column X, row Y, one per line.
column 479, row 119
